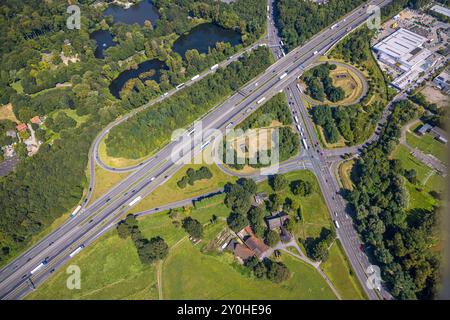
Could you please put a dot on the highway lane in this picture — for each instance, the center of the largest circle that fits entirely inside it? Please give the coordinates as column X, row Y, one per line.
column 102, row 210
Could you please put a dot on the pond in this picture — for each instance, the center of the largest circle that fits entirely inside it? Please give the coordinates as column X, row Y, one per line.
column 205, row 36
column 138, row 13
column 104, row 40
column 147, row 70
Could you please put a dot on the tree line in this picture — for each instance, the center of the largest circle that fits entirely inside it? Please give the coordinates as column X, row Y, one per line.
column 193, row 175
column 149, row 250
column 399, row 237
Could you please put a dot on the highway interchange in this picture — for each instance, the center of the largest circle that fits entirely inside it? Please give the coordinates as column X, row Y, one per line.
column 96, row 218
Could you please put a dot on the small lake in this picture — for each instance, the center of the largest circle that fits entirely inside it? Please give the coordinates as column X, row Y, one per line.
column 138, row 13
column 205, row 36
column 104, row 40
column 151, row 67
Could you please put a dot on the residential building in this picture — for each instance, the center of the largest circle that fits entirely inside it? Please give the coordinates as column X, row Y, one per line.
column 439, row 134
column 36, row 120
column 424, row 129
column 443, row 81
column 21, row 127
column 276, row 220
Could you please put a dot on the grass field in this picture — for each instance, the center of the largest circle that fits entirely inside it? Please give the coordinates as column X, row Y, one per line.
column 345, row 170
column 170, row 192
column 428, row 180
column 427, row 144
column 105, row 180
column 190, row 274
column 351, row 84
column 6, row 112
column 111, row 269
column 17, row 86
column 339, row 271
column 73, row 114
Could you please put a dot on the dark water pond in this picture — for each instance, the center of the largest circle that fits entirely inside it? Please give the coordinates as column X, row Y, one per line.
column 138, row 13
column 153, row 66
column 205, row 36
column 104, row 40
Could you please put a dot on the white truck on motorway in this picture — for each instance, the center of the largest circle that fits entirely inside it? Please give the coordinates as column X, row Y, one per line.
column 181, row 85
column 296, row 120
column 74, row 213
column 261, row 100
column 283, row 76
column 195, row 77
column 76, row 251
column 298, row 128
column 336, row 223
column 136, row 200
column 39, row 267
column 214, row 67
column 204, row 145
column 305, row 145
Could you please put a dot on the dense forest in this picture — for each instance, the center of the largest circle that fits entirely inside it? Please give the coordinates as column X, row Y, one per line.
column 39, row 53
column 152, row 128
column 320, row 85
column 299, row 20
column 399, row 239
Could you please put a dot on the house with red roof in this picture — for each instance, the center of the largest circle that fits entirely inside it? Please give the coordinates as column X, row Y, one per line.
column 21, row 127
column 36, row 120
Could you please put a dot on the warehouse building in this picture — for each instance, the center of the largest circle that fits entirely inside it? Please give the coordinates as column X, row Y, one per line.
column 441, row 10
column 404, row 51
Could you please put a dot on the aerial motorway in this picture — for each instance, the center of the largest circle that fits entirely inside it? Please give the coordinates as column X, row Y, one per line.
column 89, row 222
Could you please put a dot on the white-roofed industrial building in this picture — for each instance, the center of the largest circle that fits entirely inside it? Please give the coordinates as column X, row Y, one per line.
column 404, row 51
column 441, row 10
